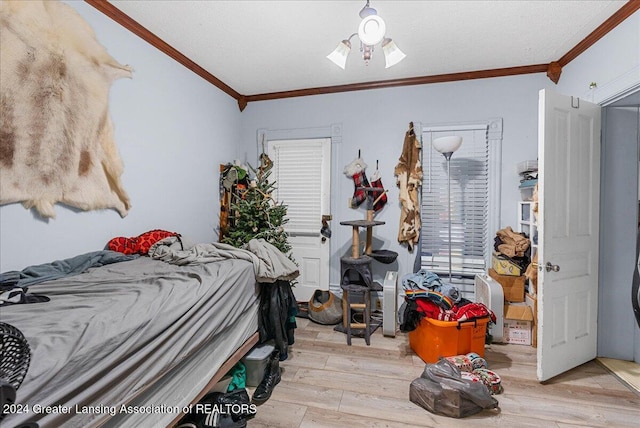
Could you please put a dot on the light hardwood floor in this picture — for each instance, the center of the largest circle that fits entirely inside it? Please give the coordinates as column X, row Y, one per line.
column 326, row 383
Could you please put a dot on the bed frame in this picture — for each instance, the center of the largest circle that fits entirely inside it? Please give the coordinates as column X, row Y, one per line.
column 224, row 369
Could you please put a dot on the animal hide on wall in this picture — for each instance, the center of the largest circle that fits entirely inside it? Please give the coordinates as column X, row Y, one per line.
column 56, row 136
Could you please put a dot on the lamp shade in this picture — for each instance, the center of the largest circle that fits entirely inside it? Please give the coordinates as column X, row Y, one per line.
column 392, row 53
column 371, row 30
column 448, row 144
column 340, row 54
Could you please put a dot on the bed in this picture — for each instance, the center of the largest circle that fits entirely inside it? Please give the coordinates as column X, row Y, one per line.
column 132, row 343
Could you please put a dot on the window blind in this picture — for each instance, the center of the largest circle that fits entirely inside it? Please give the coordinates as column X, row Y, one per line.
column 298, row 184
column 469, row 204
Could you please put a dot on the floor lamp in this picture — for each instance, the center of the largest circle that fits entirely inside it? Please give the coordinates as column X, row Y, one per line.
column 446, row 146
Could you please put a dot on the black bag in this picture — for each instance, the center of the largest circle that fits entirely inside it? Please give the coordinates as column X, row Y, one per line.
column 220, row 410
column 442, row 390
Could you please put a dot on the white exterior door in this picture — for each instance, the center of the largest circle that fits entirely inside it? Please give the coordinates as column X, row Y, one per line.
column 568, row 231
column 302, row 172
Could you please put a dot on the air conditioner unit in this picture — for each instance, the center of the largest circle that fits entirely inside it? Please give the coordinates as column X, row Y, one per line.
column 489, row 292
column 390, row 304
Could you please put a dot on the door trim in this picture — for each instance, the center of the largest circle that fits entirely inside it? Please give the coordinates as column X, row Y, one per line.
column 334, row 132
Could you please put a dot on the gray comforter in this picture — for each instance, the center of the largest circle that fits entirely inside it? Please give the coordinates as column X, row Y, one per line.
column 110, row 332
column 269, row 263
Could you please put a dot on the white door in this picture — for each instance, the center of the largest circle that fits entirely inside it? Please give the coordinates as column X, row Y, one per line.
column 568, row 227
column 302, row 172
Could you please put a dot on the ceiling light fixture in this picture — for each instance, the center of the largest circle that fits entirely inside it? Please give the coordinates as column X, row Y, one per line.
column 371, row 31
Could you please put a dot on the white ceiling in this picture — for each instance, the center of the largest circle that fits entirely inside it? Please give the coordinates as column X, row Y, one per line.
column 259, row 47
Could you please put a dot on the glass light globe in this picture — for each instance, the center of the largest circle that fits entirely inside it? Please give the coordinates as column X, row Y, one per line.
column 371, row 30
column 448, row 144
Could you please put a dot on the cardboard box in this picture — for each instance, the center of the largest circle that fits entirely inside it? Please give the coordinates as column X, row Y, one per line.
column 518, row 323
column 532, row 302
column 505, row 266
column 512, row 286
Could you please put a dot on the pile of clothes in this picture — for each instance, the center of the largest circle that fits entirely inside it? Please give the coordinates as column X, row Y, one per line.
column 515, row 246
column 447, row 389
column 14, row 285
column 426, row 295
column 139, row 244
column 476, row 369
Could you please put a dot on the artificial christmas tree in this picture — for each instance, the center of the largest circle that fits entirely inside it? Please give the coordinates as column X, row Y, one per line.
column 254, row 214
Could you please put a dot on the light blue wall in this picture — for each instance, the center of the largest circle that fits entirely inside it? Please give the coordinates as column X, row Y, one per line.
column 613, row 63
column 172, row 128
column 375, row 121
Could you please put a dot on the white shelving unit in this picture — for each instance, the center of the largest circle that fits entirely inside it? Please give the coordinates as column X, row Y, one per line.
column 527, row 223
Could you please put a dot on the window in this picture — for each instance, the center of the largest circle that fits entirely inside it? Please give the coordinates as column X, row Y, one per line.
column 474, row 201
column 301, row 176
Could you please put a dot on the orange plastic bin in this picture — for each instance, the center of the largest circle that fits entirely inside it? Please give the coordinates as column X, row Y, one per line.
column 434, row 339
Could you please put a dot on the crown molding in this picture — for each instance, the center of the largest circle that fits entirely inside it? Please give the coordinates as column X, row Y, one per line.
column 422, row 80
column 614, row 20
column 136, row 28
column 553, row 69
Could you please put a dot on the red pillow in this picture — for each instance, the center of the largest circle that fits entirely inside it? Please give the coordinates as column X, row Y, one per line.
column 139, row 244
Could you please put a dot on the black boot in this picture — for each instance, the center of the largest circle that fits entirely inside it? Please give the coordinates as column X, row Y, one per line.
column 270, row 380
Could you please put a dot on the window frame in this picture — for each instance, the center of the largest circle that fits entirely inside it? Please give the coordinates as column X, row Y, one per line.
column 493, row 127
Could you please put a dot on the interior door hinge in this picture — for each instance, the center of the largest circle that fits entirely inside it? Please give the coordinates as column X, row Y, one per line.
column 575, row 102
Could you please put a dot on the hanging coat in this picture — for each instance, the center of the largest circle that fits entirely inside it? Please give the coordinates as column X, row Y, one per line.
column 409, row 178
column 277, row 319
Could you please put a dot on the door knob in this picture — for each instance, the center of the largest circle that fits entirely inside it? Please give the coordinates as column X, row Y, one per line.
column 550, row 267
column 325, row 231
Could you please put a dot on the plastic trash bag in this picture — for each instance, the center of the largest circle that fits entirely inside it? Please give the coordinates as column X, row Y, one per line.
column 442, row 390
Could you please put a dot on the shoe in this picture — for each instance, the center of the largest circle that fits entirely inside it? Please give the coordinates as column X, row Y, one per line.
column 220, row 410
column 270, row 380
column 239, row 401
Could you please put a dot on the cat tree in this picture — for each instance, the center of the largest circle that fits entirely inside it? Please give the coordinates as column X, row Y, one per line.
column 355, row 270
